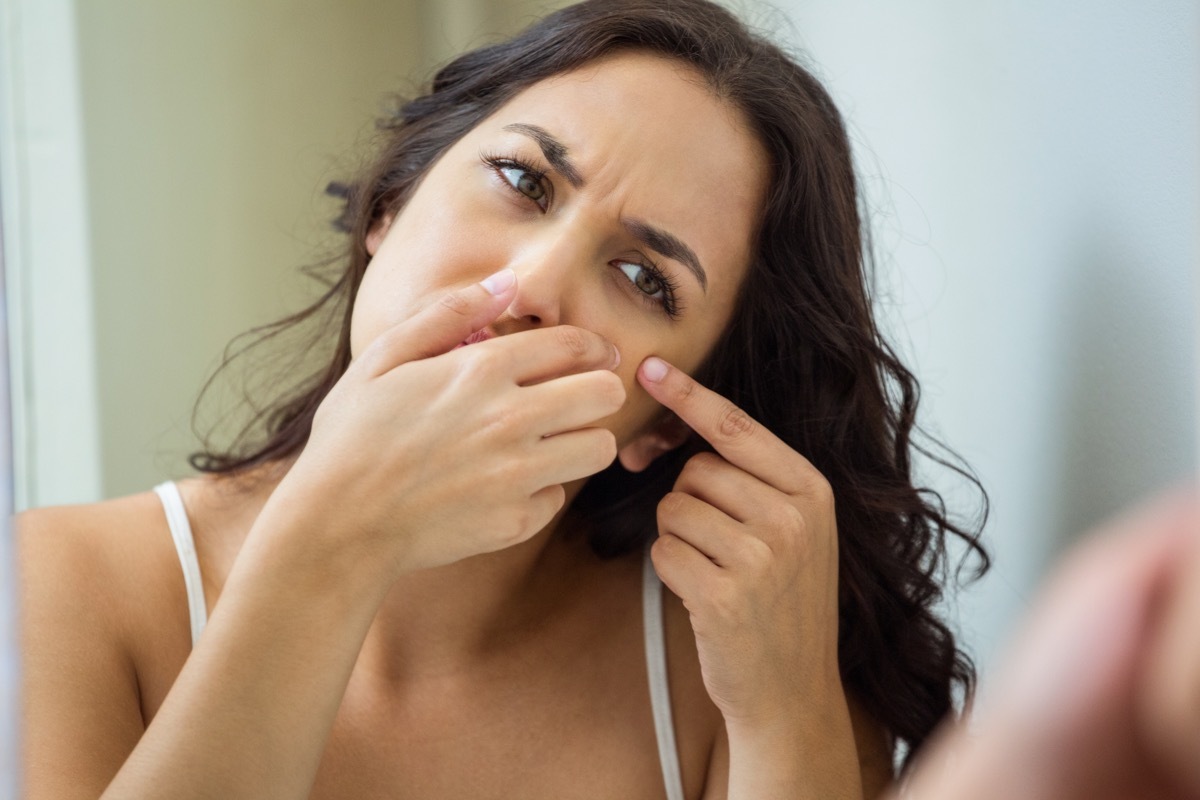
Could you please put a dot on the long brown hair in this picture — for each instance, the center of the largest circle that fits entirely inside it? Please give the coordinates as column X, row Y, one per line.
column 803, row 354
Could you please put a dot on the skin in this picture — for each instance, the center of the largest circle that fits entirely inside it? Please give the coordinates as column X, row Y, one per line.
column 1099, row 696
column 703, row 181
column 415, row 535
column 749, row 540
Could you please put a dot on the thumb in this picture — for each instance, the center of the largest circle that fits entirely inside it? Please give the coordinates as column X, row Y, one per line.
column 437, row 329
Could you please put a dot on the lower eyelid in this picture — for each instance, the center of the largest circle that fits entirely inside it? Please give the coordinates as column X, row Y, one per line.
column 497, row 164
column 666, row 302
column 515, row 193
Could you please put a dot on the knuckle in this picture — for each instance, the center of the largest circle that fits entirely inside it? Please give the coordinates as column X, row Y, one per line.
column 558, row 498
column 819, row 488
column 723, row 600
column 477, row 365
column 734, row 424
column 510, row 472
column 705, row 462
column 456, row 304
column 496, row 422
column 752, row 551
column 787, row 517
column 536, row 511
column 660, row 548
column 699, row 465
column 572, row 340
column 374, row 358
column 519, row 530
column 683, row 391
column 670, row 505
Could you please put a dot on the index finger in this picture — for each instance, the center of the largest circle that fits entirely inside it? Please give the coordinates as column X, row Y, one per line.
column 740, row 439
column 543, row 353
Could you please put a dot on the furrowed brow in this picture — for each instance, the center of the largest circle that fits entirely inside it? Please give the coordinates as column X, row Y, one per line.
column 554, row 151
column 669, row 246
column 656, row 239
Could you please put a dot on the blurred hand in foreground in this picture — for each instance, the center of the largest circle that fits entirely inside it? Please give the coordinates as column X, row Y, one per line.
column 1099, row 695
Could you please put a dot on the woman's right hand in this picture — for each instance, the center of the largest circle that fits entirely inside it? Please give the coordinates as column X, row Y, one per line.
column 423, row 454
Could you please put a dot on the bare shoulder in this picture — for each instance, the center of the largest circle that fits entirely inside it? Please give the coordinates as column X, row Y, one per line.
column 89, row 577
column 110, row 560
column 92, row 554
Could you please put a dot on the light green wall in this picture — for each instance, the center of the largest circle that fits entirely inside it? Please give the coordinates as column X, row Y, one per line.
column 211, row 129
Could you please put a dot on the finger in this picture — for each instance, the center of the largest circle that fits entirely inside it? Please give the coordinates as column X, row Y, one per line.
column 443, row 325
column 743, row 442
column 539, row 510
column 682, row 568
column 1067, row 683
column 1096, row 603
column 1169, row 700
column 543, row 505
column 721, row 539
column 1060, row 699
column 767, row 515
column 734, row 491
column 576, row 401
column 569, row 456
column 544, row 353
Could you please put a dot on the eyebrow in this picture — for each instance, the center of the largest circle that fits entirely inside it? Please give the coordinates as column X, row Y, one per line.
column 656, row 239
column 554, row 151
column 668, row 245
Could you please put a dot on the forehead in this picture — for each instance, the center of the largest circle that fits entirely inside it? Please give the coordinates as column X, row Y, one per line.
column 653, row 142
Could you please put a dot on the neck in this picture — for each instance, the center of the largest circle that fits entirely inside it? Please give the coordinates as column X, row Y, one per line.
column 436, row 622
column 439, row 621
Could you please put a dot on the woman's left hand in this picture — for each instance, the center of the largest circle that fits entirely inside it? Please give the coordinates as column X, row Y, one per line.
column 748, row 541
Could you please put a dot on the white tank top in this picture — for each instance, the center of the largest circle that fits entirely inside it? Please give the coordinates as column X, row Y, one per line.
column 652, row 626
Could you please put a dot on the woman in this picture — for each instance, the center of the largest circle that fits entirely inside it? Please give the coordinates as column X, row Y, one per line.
column 630, row 233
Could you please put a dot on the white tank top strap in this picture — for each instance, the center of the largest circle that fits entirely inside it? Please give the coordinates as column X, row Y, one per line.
column 185, row 546
column 656, row 667
column 656, row 655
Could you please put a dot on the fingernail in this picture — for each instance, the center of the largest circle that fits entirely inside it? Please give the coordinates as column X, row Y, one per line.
column 654, row 369
column 496, row 284
column 616, row 358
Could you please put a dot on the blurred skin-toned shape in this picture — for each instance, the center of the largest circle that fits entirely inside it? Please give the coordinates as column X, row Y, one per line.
column 1099, row 697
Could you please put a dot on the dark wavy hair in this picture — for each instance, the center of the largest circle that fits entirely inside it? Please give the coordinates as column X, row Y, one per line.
column 802, row 354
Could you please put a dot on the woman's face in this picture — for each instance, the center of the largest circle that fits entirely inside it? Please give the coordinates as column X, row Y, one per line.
column 623, row 194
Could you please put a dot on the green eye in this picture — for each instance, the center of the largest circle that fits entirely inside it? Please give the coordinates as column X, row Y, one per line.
column 523, row 180
column 641, row 277
column 652, row 285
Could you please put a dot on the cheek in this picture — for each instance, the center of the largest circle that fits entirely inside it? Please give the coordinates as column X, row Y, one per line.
column 685, row 350
column 435, row 238
column 640, row 408
column 427, row 251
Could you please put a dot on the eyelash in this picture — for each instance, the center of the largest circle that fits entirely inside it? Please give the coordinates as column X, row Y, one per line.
column 669, row 305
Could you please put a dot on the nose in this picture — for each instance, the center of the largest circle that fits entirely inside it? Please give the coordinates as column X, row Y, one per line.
column 547, row 278
column 536, row 303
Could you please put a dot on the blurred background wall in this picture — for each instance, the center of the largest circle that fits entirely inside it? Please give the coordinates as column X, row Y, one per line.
column 1033, row 176
column 1031, row 171
column 203, row 135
